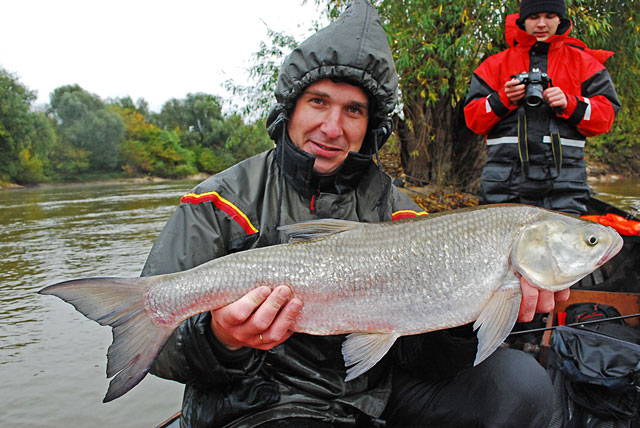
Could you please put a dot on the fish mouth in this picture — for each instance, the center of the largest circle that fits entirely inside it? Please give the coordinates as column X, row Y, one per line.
column 612, row 251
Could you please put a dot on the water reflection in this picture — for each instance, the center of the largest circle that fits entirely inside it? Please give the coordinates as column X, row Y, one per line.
column 622, row 193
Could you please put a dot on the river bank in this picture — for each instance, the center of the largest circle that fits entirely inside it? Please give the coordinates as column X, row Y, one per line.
column 103, row 181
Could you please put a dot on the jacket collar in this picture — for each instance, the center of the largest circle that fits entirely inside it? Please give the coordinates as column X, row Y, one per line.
column 297, row 167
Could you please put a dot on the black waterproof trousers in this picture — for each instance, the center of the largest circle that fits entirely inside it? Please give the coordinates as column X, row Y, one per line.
column 504, row 182
column 508, row 390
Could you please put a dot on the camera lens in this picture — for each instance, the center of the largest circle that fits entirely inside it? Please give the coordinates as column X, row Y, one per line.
column 533, row 95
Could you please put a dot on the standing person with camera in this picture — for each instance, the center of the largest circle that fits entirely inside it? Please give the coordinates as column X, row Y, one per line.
column 537, row 102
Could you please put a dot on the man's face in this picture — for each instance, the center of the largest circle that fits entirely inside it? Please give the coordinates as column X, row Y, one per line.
column 329, row 121
column 542, row 25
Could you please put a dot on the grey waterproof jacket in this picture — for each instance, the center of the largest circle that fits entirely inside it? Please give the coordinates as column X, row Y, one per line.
column 242, row 207
column 234, row 211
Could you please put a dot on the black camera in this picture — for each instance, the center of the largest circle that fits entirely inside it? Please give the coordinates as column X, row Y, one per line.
column 536, row 82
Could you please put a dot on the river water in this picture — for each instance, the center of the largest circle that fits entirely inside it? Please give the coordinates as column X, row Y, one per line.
column 52, row 359
column 623, row 193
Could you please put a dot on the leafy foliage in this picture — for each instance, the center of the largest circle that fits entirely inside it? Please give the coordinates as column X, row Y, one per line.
column 81, row 136
column 264, row 72
column 25, row 136
column 615, row 26
column 87, row 124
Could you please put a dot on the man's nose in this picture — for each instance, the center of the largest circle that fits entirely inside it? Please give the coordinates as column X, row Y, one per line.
column 332, row 123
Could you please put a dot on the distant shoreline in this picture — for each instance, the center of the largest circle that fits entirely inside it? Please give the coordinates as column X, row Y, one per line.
column 124, row 180
column 595, row 173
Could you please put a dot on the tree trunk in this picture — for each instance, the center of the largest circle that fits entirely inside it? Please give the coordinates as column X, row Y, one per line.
column 437, row 147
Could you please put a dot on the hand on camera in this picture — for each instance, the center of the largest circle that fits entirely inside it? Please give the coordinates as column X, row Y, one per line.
column 514, row 89
column 555, row 98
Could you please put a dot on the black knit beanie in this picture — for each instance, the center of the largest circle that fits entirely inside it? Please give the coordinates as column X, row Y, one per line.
column 529, row 7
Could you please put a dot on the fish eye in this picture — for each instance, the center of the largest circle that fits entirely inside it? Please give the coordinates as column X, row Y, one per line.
column 592, row 240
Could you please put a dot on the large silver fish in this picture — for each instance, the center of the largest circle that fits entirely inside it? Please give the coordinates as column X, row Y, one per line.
column 375, row 281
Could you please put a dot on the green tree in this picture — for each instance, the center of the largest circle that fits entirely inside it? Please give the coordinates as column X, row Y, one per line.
column 26, row 136
column 35, row 165
column 258, row 98
column 88, row 125
column 136, row 155
column 247, row 139
column 170, row 158
column 141, row 106
column 198, row 118
column 615, row 26
column 15, row 123
column 148, row 149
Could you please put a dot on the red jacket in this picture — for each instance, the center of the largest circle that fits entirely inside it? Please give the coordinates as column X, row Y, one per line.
column 592, row 99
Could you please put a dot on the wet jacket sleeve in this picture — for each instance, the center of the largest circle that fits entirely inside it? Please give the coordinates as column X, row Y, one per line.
column 593, row 110
column 487, row 102
column 402, row 206
column 192, row 236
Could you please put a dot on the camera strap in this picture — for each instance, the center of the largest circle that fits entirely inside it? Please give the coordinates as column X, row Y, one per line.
column 523, row 147
column 556, row 145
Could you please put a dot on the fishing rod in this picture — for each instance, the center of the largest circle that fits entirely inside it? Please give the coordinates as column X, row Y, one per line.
column 536, row 330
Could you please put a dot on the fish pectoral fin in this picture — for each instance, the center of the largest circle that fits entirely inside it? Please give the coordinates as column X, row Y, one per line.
column 361, row 351
column 317, row 229
column 497, row 318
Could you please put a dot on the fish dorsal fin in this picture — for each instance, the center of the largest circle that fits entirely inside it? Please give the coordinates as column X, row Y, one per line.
column 317, row 229
column 361, row 351
column 498, row 317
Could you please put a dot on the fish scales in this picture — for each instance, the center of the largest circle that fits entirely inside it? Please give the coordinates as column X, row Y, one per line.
column 375, row 281
column 363, row 277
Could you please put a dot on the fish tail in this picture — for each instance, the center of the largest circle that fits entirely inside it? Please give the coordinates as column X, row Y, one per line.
column 119, row 303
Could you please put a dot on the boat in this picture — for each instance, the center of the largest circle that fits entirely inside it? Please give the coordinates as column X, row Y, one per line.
column 617, row 279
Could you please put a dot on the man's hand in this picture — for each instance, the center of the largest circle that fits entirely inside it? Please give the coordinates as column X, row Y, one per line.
column 514, row 90
column 536, row 300
column 262, row 319
column 555, row 98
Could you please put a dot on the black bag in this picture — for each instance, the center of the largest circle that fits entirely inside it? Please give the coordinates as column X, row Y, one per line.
column 591, row 311
column 596, row 380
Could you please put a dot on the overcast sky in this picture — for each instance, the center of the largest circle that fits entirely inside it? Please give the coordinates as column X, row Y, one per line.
column 151, row 49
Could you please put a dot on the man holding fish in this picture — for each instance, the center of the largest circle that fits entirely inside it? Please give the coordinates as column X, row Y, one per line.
column 241, row 364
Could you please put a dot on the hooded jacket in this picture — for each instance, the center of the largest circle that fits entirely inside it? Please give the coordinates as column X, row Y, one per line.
column 578, row 71
column 354, row 49
column 241, row 208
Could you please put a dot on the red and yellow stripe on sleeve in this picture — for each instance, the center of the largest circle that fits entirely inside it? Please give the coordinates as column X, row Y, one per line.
column 222, row 204
column 399, row 215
